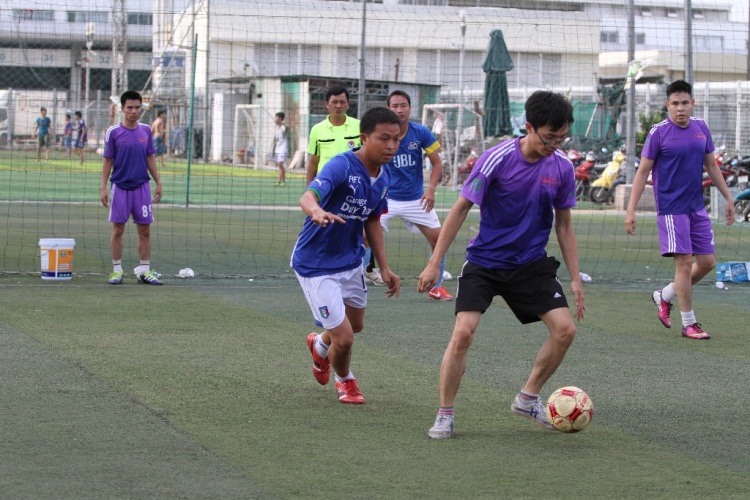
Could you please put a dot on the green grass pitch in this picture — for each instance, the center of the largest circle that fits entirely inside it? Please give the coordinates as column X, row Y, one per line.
column 203, row 388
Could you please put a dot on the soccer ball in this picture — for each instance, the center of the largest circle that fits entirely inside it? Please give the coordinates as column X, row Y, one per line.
column 569, row 409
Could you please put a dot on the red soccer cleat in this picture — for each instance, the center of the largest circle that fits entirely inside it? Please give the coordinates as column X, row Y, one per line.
column 694, row 331
column 349, row 392
column 440, row 293
column 321, row 367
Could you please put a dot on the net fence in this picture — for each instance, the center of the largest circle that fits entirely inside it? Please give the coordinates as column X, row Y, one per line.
column 227, row 67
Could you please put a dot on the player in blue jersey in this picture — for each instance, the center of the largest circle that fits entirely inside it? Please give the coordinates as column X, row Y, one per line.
column 347, row 197
column 407, row 197
column 677, row 150
column 522, row 186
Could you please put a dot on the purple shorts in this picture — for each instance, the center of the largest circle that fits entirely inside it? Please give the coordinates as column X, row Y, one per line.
column 688, row 234
column 123, row 204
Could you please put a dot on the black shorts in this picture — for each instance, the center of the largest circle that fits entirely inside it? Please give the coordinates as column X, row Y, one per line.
column 529, row 291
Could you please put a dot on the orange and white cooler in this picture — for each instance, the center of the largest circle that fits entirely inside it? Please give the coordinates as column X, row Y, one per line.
column 57, row 258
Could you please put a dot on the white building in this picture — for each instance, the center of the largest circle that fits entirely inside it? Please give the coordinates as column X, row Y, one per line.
column 43, row 45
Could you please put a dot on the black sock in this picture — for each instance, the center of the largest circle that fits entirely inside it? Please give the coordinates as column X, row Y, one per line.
column 371, row 265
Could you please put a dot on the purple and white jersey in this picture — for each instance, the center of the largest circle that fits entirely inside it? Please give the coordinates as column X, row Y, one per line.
column 516, row 200
column 129, row 149
column 678, row 155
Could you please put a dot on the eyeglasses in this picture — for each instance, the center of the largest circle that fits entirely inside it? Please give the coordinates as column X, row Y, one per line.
column 553, row 143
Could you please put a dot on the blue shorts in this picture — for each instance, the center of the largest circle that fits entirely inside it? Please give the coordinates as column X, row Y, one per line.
column 69, row 142
column 80, row 144
column 159, row 145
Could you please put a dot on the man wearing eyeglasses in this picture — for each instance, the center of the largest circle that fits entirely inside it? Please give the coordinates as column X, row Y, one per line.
column 522, row 186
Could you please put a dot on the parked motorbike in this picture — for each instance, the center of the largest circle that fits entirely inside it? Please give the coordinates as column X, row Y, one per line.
column 585, row 175
column 603, row 189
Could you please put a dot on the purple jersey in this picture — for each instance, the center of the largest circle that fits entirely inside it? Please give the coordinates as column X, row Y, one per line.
column 515, row 201
column 678, row 155
column 129, row 149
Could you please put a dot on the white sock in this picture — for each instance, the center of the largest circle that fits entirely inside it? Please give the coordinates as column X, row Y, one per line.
column 320, row 347
column 145, row 266
column 669, row 293
column 688, row 318
column 118, row 265
column 348, row 377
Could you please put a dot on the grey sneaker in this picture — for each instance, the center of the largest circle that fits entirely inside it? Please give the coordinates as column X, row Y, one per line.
column 443, row 428
column 373, row 278
column 533, row 410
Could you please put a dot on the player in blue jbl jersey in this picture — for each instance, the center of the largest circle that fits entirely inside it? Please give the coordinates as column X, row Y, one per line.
column 407, row 197
column 347, row 197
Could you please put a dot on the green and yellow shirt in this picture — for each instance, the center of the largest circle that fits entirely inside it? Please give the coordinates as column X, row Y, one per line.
column 326, row 141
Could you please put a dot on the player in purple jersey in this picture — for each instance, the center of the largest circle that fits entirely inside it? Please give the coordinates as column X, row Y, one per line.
column 346, row 197
column 522, row 186
column 677, row 150
column 129, row 157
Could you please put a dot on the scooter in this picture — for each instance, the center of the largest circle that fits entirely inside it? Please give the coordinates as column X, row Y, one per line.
column 584, row 174
column 742, row 206
column 603, row 189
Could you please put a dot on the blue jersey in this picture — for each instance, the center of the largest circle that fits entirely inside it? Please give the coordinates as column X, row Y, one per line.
column 407, row 182
column 344, row 188
column 516, row 201
column 678, row 155
column 44, row 124
column 129, row 150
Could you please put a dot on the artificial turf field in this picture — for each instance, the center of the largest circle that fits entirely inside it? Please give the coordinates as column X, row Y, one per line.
column 203, row 388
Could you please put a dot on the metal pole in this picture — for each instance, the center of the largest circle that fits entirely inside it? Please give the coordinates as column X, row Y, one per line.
column 99, row 128
column 11, row 108
column 689, row 41
column 361, row 90
column 190, row 123
column 630, row 137
column 748, row 41
column 206, row 93
column 86, row 84
column 54, row 115
column 454, row 175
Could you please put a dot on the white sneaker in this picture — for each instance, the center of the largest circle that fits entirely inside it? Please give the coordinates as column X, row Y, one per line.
column 373, row 278
column 443, row 428
column 533, row 410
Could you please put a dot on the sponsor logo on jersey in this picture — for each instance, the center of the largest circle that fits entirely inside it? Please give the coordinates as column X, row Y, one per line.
column 414, row 145
column 351, row 145
column 700, row 136
column 142, row 139
column 324, row 311
column 404, row 160
column 547, row 179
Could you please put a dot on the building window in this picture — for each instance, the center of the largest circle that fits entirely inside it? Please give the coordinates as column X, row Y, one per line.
column 698, row 14
column 142, row 18
column 647, row 12
column 673, row 13
column 33, row 15
column 87, row 17
column 709, row 43
column 610, row 37
column 640, row 38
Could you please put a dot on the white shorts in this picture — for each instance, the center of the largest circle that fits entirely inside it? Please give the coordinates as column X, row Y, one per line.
column 328, row 295
column 412, row 213
column 280, row 157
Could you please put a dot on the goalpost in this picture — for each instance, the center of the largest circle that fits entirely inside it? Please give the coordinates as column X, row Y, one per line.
column 246, row 151
column 443, row 121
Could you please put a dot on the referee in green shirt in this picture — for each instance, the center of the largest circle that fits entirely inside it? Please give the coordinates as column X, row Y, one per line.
column 336, row 134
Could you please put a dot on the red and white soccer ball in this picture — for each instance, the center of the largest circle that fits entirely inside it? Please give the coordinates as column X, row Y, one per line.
column 569, row 409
